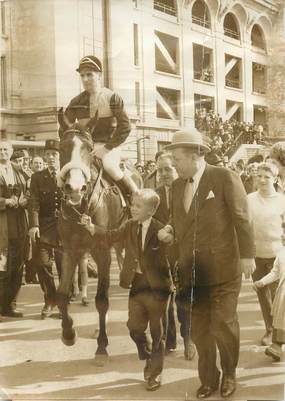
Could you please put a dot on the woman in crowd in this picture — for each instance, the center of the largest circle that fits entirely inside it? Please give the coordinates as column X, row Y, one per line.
column 268, row 211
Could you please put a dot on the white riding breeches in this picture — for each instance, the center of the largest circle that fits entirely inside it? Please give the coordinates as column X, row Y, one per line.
column 111, row 161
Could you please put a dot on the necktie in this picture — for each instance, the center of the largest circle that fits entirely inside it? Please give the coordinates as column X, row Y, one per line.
column 140, row 238
column 188, row 194
column 53, row 176
column 167, row 196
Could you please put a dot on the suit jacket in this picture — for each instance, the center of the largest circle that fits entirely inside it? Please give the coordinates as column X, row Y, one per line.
column 13, row 221
column 153, row 262
column 44, row 205
column 111, row 126
column 216, row 232
column 163, row 215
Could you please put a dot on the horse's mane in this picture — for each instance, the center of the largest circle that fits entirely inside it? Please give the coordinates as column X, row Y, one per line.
column 78, row 130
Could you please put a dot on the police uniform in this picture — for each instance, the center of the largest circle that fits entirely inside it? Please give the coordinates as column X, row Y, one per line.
column 44, row 208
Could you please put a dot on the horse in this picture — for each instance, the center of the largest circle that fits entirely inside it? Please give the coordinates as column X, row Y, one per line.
column 86, row 191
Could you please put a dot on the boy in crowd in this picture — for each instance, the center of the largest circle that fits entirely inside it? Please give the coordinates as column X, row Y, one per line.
column 146, row 272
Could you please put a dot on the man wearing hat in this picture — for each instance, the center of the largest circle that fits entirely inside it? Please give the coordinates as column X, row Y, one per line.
column 212, row 227
column 102, row 111
column 44, row 206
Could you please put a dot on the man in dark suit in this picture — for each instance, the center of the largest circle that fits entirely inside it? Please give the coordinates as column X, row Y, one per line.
column 212, row 226
column 13, row 230
column 147, row 272
column 167, row 174
column 44, row 205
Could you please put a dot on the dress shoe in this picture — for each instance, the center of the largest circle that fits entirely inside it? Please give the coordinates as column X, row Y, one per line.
column 275, row 351
column 12, row 313
column 189, row 349
column 205, row 391
column 169, row 350
column 84, row 301
column 267, row 338
column 228, row 386
column 147, row 370
column 46, row 311
column 153, row 383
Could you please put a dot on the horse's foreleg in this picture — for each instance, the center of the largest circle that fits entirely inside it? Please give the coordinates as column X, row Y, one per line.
column 103, row 260
column 63, row 291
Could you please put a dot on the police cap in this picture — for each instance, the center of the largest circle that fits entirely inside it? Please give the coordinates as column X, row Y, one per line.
column 91, row 62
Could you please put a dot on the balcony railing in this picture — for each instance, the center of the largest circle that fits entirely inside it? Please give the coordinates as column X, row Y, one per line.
column 231, row 33
column 201, row 21
column 233, row 83
column 164, row 8
column 204, row 75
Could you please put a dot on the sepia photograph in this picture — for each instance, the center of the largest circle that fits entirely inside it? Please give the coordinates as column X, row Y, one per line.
column 142, row 200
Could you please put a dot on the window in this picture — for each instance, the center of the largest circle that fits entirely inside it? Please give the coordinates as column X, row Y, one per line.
column 231, row 27
column 203, row 103
column 136, row 44
column 201, row 14
column 260, row 115
column 3, row 81
column 233, row 71
column 3, row 18
column 165, row 6
column 203, row 63
column 234, row 111
column 167, row 103
column 257, row 37
column 137, row 97
column 166, row 53
column 259, row 78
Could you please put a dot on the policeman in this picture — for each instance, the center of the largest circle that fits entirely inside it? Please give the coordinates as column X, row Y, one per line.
column 44, row 206
column 102, row 111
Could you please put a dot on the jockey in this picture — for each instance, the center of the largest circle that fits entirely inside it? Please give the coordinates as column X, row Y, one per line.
column 102, row 111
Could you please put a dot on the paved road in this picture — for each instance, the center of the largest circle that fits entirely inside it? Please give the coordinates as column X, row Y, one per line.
column 35, row 365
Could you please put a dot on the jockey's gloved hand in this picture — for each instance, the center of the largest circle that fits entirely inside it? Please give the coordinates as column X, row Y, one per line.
column 99, row 150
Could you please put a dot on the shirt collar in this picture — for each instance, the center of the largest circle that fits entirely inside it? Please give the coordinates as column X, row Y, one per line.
column 197, row 176
column 145, row 224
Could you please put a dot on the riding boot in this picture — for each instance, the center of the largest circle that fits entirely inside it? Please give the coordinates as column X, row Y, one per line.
column 127, row 185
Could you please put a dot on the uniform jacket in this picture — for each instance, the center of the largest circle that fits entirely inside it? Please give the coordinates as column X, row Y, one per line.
column 217, row 228
column 44, row 205
column 153, row 263
column 111, row 125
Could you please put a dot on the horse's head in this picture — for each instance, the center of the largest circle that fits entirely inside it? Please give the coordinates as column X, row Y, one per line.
column 75, row 160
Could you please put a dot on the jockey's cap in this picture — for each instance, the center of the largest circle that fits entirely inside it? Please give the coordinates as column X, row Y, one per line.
column 91, row 62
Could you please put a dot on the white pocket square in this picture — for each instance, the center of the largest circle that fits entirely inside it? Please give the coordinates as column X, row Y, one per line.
column 210, row 195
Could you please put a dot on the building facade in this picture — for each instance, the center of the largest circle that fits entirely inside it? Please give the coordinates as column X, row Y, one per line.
column 166, row 58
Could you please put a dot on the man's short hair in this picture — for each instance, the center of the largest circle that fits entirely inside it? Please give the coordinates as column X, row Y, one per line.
column 277, row 152
column 149, row 196
column 269, row 167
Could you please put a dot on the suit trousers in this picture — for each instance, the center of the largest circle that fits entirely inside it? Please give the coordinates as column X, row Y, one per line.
column 12, row 279
column 145, row 307
column 215, row 324
column 267, row 293
column 44, row 260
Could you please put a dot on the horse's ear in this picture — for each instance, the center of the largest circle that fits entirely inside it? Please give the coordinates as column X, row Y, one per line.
column 64, row 124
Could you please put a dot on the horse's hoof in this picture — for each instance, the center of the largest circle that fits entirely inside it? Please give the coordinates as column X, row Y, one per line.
column 101, row 359
column 69, row 341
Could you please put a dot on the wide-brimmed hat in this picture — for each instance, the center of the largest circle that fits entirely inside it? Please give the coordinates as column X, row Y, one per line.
column 189, row 138
column 52, row 144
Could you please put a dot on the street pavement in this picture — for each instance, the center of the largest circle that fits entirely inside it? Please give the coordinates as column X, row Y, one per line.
column 35, row 365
